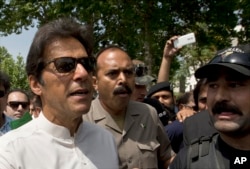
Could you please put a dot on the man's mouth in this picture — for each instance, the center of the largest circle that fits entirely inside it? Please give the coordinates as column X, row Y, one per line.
column 79, row 92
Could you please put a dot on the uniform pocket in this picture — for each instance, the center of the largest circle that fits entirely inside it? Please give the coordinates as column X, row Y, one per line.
column 148, row 158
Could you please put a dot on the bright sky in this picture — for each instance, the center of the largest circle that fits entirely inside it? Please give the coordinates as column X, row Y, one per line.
column 18, row 44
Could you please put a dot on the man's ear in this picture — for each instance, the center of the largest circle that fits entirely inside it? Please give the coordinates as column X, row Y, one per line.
column 35, row 85
column 95, row 81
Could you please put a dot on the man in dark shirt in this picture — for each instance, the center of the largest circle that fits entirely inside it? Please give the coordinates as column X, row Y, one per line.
column 228, row 79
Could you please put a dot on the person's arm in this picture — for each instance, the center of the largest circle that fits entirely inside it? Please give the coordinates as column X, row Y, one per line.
column 168, row 54
column 168, row 162
column 184, row 113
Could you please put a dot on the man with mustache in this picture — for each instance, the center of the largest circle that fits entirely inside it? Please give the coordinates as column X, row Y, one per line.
column 139, row 134
column 228, row 95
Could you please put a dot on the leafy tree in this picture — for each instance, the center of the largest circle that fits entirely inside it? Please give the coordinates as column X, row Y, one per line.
column 142, row 27
column 244, row 20
column 14, row 68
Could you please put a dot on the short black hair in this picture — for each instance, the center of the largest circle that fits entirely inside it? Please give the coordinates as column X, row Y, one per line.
column 21, row 91
column 60, row 28
column 184, row 98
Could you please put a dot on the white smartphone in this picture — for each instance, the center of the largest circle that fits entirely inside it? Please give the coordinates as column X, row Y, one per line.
column 184, row 40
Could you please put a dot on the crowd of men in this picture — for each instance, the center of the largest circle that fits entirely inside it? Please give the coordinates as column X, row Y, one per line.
column 105, row 111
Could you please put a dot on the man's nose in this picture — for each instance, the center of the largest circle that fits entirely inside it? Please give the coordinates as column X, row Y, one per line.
column 122, row 77
column 20, row 107
column 80, row 71
column 222, row 94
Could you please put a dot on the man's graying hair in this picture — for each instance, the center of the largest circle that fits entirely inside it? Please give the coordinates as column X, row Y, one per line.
column 60, row 28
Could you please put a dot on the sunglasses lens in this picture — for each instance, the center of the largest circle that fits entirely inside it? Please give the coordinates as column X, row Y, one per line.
column 68, row 64
column 2, row 93
column 88, row 63
column 25, row 105
column 15, row 105
column 65, row 64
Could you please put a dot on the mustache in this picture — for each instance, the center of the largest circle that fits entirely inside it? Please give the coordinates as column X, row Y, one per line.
column 122, row 89
column 220, row 107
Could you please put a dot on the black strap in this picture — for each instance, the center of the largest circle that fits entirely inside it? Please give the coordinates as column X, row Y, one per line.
column 194, row 149
column 202, row 142
column 198, row 152
column 205, row 145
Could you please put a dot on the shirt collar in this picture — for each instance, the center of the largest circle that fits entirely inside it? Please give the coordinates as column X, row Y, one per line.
column 53, row 129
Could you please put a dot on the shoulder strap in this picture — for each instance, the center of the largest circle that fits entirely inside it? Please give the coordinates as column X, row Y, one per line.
column 201, row 152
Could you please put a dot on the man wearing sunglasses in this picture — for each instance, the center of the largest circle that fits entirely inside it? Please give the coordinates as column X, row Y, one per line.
column 228, row 95
column 4, row 88
column 59, row 68
column 17, row 103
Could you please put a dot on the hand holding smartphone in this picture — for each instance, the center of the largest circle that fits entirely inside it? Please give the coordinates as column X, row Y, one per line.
column 184, row 40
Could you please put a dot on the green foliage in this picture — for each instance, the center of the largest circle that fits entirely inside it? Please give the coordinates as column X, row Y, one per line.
column 14, row 68
column 142, row 27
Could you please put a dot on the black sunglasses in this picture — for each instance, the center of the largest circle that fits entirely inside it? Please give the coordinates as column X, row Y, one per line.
column 140, row 70
column 2, row 93
column 235, row 58
column 68, row 64
column 15, row 104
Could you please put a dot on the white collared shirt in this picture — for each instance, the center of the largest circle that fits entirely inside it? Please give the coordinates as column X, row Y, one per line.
column 40, row 144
